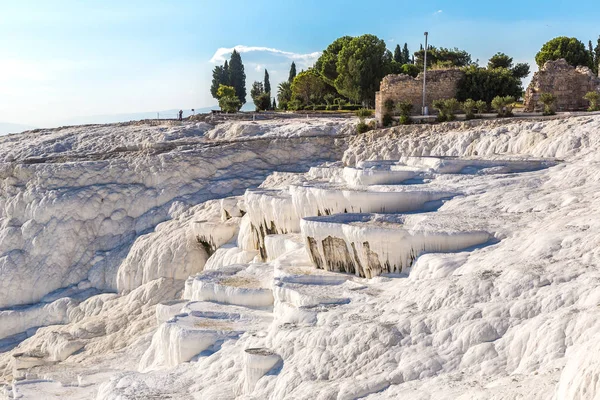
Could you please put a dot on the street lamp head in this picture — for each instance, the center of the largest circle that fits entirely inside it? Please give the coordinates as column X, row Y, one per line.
column 426, row 33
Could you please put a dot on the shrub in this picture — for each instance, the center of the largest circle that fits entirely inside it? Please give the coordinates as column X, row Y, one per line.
column 405, row 120
column 481, row 106
column 295, row 105
column 320, row 107
column 362, row 127
column 230, row 104
column 503, row 105
column 404, row 109
column 283, row 105
column 594, row 99
column 364, row 113
column 388, row 105
column 447, row 109
column 548, row 100
column 351, row 107
column 411, row 70
column 486, row 84
column 387, row 120
column 468, row 106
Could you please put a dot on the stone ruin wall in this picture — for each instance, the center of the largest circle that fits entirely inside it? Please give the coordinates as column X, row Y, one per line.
column 567, row 83
column 441, row 84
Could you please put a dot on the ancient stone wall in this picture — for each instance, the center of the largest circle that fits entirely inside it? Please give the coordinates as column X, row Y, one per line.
column 441, row 84
column 567, row 83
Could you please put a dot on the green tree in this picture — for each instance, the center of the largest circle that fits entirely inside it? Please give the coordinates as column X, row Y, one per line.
column 485, row 84
column 597, row 54
column 503, row 105
column 468, row 107
column 361, row 65
column 405, row 55
column 326, row 65
column 228, row 101
column 308, row 86
column 500, row 60
column 274, row 106
column 520, row 71
column 571, row 49
column 292, row 73
column 219, row 77
column 225, row 91
column 237, row 76
column 261, row 99
column 398, row 55
column 453, row 57
column 284, row 94
column 226, row 73
column 593, row 57
column 267, row 82
column 481, row 106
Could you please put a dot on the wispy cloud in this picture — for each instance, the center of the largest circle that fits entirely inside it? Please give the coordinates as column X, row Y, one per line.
column 438, row 12
column 221, row 53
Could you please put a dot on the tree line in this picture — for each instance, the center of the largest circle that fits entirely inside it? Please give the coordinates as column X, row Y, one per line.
column 350, row 69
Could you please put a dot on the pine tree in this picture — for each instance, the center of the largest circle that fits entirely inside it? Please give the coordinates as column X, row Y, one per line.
column 267, row 83
column 405, row 55
column 292, row 72
column 398, row 55
column 237, row 76
column 421, row 49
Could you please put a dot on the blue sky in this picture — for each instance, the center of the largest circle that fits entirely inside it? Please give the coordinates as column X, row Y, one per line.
column 63, row 58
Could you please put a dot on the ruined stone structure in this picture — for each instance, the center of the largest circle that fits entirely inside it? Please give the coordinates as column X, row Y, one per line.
column 567, row 83
column 441, row 84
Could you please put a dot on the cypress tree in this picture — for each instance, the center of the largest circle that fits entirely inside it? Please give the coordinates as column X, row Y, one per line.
column 274, row 104
column 405, row 55
column 217, row 80
column 267, row 83
column 292, row 72
column 398, row 55
column 592, row 56
column 226, row 74
column 237, row 76
column 597, row 53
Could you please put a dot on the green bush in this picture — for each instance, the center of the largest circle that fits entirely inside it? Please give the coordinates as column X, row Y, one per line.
column 594, row 99
column 295, row 105
column 364, row 113
column 548, row 100
column 362, row 127
column 405, row 120
column 230, row 104
column 351, row 107
column 447, row 109
column 468, row 107
column 387, row 120
column 410, row 69
column 320, row 107
column 481, row 106
column 503, row 105
column 485, row 84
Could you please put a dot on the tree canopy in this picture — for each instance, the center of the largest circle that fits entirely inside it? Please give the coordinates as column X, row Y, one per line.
column 362, row 63
column 326, row 65
column 571, row 49
column 308, row 86
column 292, row 72
column 444, row 56
column 267, row 82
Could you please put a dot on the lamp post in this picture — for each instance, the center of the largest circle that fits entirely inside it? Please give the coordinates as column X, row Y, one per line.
column 425, row 110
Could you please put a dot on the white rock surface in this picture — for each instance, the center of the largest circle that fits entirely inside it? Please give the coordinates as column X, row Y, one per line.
column 517, row 319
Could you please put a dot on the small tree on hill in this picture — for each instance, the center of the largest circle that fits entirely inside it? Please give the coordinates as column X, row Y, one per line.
column 267, row 82
column 503, row 105
column 406, row 55
column 237, row 76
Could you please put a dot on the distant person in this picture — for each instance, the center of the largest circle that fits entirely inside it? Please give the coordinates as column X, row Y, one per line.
column 181, row 115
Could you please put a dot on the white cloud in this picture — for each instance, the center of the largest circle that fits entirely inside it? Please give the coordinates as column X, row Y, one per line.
column 258, row 68
column 221, row 53
column 438, row 12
